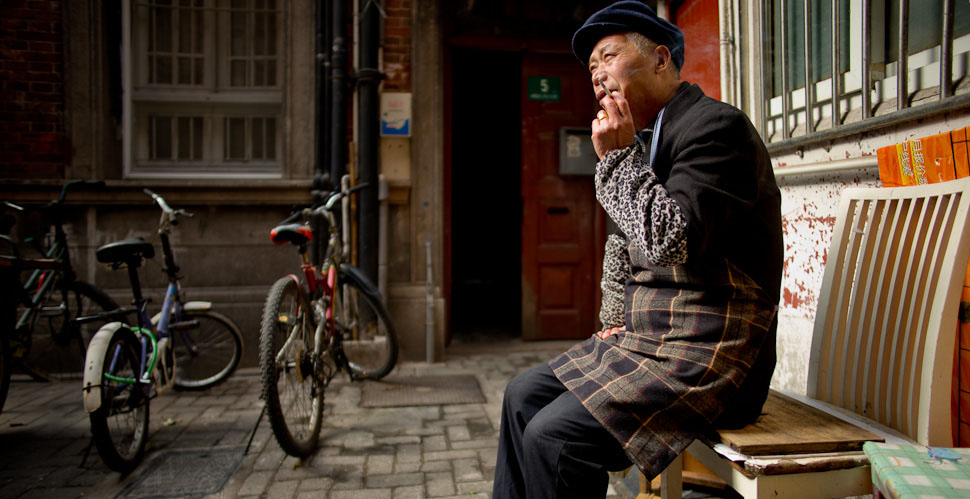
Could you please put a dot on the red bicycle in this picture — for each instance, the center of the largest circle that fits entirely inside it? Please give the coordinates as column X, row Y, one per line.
column 316, row 323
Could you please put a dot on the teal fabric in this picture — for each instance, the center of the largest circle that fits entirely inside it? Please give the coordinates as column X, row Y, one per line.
column 917, row 472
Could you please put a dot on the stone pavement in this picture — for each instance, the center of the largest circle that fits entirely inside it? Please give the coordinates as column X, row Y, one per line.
column 441, row 451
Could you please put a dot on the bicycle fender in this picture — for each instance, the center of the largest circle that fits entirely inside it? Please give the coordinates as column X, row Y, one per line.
column 93, row 363
column 197, row 306
column 354, row 274
column 191, row 306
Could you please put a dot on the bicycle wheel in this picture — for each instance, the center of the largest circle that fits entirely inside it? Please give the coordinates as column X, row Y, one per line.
column 120, row 424
column 208, row 347
column 369, row 339
column 293, row 393
column 57, row 346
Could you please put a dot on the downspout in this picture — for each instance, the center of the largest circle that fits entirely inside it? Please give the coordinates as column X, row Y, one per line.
column 725, row 21
column 323, row 90
column 368, row 134
column 338, row 89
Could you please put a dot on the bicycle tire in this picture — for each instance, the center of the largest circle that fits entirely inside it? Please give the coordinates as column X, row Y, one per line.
column 4, row 372
column 57, row 346
column 370, row 342
column 293, row 393
column 218, row 348
column 120, row 425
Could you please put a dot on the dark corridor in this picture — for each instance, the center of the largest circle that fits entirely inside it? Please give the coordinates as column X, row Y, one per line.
column 486, row 195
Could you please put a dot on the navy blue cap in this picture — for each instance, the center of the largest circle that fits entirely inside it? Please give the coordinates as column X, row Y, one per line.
column 625, row 16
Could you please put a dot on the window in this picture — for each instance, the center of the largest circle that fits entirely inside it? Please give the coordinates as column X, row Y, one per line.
column 205, row 97
column 806, row 44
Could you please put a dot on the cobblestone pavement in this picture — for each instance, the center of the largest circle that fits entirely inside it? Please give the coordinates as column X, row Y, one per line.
column 439, row 451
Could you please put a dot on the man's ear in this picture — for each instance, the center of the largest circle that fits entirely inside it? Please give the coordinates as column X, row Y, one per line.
column 663, row 57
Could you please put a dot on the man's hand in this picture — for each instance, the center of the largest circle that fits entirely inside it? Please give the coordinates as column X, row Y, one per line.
column 613, row 127
column 606, row 333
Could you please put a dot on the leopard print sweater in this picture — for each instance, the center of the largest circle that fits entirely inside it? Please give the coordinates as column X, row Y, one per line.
column 633, row 197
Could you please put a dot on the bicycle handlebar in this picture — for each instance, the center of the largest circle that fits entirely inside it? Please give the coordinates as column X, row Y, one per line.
column 337, row 196
column 168, row 214
column 326, row 206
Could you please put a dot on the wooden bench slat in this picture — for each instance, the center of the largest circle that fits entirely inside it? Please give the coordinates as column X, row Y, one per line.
column 787, row 426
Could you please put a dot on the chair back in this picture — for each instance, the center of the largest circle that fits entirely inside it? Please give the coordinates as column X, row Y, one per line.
column 885, row 329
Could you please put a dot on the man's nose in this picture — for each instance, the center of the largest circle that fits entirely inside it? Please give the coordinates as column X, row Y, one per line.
column 598, row 77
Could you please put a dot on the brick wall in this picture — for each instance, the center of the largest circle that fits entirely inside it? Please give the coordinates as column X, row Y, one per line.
column 33, row 143
column 397, row 46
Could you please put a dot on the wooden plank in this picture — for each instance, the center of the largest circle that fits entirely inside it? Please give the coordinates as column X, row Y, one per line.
column 787, row 426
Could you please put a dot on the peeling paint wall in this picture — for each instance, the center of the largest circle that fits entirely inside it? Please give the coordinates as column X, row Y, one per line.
column 809, row 205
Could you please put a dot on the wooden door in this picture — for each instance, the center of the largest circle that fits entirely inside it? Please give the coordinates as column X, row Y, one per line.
column 562, row 234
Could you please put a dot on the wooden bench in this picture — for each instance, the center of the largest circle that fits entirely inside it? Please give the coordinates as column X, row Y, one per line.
column 881, row 364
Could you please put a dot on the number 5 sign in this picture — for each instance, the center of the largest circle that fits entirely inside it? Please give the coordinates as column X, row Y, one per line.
column 543, row 88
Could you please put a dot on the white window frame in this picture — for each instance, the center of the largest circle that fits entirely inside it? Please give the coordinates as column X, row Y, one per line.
column 213, row 102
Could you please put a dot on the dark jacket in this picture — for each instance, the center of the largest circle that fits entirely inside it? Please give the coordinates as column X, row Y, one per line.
column 702, row 290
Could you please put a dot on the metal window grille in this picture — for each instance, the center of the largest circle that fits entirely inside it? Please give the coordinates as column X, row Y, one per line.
column 815, row 92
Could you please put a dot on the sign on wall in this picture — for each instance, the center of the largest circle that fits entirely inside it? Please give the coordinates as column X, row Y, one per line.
column 396, row 114
column 543, row 88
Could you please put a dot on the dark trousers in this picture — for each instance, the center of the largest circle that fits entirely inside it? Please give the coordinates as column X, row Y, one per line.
column 550, row 446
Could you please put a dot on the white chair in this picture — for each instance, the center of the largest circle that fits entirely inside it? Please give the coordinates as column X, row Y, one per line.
column 881, row 364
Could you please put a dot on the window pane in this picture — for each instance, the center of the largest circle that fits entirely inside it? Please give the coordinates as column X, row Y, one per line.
column 259, row 73
column 163, row 29
column 185, row 31
column 237, row 71
column 197, row 138
column 271, row 138
column 238, row 34
column 199, row 63
column 821, row 34
column 271, row 73
column 259, row 33
column 185, row 138
column 185, row 70
column 162, row 137
column 258, row 138
column 235, row 138
column 163, row 69
column 199, row 32
column 271, row 34
column 925, row 25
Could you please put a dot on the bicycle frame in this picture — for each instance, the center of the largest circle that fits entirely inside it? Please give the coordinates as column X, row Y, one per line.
column 56, row 259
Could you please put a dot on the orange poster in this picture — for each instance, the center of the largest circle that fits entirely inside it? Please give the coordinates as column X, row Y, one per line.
column 926, row 160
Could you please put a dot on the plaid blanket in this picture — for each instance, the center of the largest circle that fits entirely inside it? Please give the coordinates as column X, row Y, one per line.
column 682, row 361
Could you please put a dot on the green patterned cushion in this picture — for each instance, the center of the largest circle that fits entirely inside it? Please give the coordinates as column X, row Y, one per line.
column 918, row 472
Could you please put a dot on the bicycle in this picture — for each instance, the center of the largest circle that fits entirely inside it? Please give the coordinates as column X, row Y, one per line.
column 38, row 330
column 315, row 324
column 207, row 345
column 126, row 366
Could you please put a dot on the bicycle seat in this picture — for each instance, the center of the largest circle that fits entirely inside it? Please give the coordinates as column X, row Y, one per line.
column 291, row 233
column 125, row 251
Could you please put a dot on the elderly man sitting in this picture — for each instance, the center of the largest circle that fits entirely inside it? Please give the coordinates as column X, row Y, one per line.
column 690, row 285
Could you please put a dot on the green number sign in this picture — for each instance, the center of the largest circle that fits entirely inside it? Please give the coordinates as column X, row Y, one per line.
column 543, row 88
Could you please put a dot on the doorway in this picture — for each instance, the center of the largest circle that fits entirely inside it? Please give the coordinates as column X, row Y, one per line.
column 486, row 198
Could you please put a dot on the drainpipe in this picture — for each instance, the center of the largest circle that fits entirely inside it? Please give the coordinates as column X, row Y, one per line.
column 338, row 91
column 382, row 197
column 726, row 23
column 368, row 126
column 323, row 90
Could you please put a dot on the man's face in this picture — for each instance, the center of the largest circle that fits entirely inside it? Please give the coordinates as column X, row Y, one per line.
column 617, row 62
